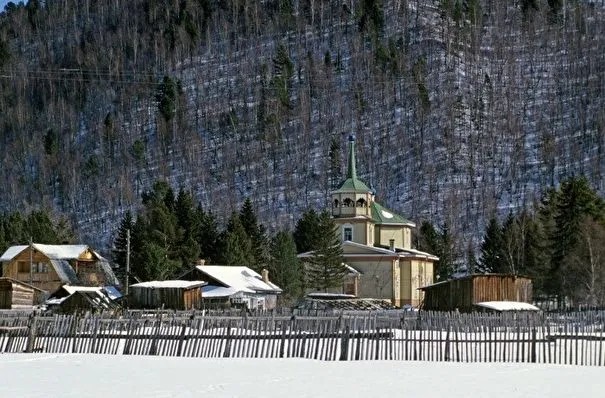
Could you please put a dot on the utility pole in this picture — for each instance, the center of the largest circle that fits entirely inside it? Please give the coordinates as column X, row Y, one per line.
column 31, row 260
column 127, row 259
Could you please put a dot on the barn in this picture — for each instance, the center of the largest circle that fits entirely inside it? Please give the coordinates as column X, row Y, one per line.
column 463, row 294
column 174, row 294
column 15, row 294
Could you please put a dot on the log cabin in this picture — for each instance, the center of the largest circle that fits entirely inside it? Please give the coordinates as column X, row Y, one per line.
column 48, row 267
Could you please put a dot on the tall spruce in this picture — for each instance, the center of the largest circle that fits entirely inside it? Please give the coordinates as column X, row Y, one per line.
column 492, row 256
column 120, row 244
column 325, row 269
column 236, row 245
column 307, row 233
column 256, row 233
column 284, row 266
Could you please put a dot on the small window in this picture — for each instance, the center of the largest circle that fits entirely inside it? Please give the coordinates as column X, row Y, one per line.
column 347, row 233
column 23, row 267
column 40, row 268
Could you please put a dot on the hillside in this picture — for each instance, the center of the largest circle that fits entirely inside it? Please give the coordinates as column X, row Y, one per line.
column 462, row 109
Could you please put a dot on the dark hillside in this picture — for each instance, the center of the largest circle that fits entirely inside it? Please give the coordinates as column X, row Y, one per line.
column 463, row 109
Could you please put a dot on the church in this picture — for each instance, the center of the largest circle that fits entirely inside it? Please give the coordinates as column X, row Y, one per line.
column 377, row 245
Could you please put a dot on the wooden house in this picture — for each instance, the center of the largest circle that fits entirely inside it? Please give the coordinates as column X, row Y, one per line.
column 15, row 294
column 235, row 286
column 175, row 294
column 48, row 267
column 463, row 294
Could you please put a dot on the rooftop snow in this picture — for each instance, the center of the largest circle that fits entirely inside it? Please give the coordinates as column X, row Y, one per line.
column 170, row 284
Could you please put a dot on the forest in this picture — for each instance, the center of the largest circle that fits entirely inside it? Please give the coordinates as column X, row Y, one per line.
column 465, row 111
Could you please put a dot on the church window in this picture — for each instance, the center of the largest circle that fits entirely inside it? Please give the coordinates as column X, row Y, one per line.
column 347, row 233
column 361, row 203
column 336, row 202
column 347, row 202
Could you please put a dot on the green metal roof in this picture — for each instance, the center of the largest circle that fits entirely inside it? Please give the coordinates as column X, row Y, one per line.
column 382, row 215
column 352, row 184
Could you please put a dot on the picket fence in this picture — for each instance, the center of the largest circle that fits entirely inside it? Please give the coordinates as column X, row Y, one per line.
column 572, row 338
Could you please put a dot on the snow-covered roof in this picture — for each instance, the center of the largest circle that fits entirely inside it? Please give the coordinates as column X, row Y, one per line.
column 54, row 252
column 240, row 278
column 73, row 289
column 507, row 306
column 170, row 284
column 211, row 291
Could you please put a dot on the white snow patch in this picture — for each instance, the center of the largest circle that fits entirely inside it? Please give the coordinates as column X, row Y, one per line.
column 43, row 375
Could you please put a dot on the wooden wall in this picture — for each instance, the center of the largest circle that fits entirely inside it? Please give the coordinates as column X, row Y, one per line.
column 461, row 294
column 15, row 295
column 172, row 298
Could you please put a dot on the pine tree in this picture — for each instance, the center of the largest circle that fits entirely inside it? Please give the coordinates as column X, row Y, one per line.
column 573, row 201
column 326, row 269
column 207, row 236
column 256, row 234
column 492, row 257
column 438, row 243
column 307, row 234
column 335, row 172
column 284, row 267
column 236, row 243
column 120, row 244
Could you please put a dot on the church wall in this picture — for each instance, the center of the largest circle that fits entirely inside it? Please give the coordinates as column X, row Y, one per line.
column 406, row 282
column 376, row 279
column 386, row 233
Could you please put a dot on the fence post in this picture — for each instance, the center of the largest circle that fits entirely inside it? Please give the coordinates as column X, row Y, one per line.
column 533, row 345
column 182, row 338
column 344, row 344
column 227, row 351
column 447, row 344
column 31, row 337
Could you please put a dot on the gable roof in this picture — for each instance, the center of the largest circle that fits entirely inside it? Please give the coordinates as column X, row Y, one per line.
column 54, row 252
column 18, row 282
column 241, row 279
column 60, row 255
column 170, row 284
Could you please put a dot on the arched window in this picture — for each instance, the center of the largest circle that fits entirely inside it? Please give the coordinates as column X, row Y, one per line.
column 347, row 202
column 361, row 203
column 336, row 202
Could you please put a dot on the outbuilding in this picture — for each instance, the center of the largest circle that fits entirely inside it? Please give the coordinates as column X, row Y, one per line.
column 463, row 294
column 172, row 294
column 15, row 294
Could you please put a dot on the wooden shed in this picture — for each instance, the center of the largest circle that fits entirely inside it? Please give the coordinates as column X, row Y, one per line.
column 87, row 301
column 176, row 295
column 463, row 293
column 15, row 294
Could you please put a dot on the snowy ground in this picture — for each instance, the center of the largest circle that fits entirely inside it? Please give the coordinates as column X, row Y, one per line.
column 73, row 375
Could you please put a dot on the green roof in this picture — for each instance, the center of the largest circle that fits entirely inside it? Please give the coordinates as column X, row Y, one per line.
column 352, row 184
column 382, row 215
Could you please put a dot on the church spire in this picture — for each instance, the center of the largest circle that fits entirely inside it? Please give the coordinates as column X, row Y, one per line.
column 352, row 170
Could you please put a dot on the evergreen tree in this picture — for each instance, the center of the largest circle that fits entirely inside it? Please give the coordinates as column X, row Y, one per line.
column 438, row 243
column 187, row 221
column 236, row 243
column 207, row 236
column 326, row 269
column 120, row 244
column 573, row 201
column 284, row 267
column 256, row 234
column 307, row 234
column 492, row 256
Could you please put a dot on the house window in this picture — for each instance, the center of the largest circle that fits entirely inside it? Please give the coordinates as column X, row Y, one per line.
column 40, row 267
column 347, row 233
column 23, row 267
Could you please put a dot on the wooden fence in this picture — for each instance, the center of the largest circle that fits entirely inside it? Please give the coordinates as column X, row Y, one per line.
column 577, row 338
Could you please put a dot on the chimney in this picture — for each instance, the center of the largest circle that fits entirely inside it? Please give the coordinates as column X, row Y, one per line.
column 392, row 244
column 201, row 261
column 265, row 274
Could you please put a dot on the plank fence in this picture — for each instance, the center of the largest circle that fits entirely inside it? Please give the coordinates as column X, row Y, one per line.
column 571, row 338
